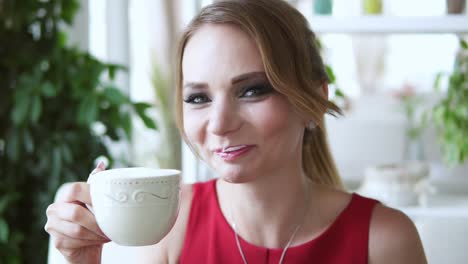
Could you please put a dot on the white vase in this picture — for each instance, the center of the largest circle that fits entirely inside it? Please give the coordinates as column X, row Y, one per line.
column 394, row 184
column 369, row 54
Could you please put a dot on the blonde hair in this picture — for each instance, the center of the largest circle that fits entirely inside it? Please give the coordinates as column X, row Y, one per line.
column 293, row 66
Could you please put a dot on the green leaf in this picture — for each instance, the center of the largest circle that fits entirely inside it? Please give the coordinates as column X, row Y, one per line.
column 339, row 93
column 126, row 121
column 115, row 96
column 88, row 110
column 48, row 89
column 56, row 168
column 149, row 123
column 113, row 68
column 462, row 111
column 4, row 201
column 331, row 74
column 62, row 39
column 456, row 79
column 463, row 43
column 318, row 43
column 141, row 108
column 20, row 108
column 4, row 230
column 438, row 114
column 28, row 141
column 437, row 80
column 66, row 153
column 69, row 9
column 36, row 109
column 12, row 146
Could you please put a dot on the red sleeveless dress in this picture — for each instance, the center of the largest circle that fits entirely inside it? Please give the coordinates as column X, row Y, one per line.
column 209, row 238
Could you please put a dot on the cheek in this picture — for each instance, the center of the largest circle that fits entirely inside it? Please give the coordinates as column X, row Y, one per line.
column 275, row 119
column 193, row 128
column 280, row 129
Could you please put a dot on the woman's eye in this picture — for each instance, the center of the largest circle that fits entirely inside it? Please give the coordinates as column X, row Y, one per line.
column 256, row 90
column 197, row 99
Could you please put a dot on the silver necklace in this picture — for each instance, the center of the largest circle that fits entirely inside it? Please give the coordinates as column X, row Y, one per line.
column 283, row 254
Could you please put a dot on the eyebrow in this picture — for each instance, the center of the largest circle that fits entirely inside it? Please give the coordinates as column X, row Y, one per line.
column 234, row 80
column 247, row 76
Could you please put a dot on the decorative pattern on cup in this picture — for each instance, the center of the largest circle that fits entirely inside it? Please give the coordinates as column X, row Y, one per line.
column 138, row 196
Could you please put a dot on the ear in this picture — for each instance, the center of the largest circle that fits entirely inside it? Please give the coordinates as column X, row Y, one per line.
column 324, row 89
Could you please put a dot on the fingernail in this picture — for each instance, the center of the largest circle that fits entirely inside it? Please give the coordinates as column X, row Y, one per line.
column 101, row 165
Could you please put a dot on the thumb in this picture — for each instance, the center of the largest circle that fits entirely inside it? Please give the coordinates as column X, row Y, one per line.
column 100, row 167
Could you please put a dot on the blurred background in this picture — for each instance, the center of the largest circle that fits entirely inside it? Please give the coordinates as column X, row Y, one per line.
column 82, row 81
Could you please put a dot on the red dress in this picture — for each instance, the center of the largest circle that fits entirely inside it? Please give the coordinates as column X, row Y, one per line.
column 209, row 238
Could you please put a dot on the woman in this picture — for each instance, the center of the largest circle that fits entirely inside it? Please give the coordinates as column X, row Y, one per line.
column 252, row 93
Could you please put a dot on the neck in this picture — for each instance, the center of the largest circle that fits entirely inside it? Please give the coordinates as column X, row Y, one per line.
column 268, row 209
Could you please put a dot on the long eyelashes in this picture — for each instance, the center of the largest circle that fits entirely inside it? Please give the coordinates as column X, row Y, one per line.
column 250, row 92
column 197, row 98
column 257, row 90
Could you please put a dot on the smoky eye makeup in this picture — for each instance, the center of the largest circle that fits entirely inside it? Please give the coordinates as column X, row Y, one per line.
column 256, row 90
column 253, row 89
column 196, row 98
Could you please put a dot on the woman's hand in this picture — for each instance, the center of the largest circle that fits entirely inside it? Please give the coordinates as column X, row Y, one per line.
column 72, row 226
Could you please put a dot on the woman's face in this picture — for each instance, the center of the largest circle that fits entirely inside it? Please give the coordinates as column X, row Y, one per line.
column 233, row 118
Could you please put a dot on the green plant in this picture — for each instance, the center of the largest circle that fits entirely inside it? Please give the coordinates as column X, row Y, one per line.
column 51, row 97
column 338, row 96
column 450, row 115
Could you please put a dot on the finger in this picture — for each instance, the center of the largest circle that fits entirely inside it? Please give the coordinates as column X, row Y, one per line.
column 72, row 230
column 62, row 241
column 76, row 214
column 74, row 192
column 100, row 167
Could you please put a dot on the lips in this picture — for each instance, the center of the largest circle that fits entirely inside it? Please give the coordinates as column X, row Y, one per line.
column 233, row 152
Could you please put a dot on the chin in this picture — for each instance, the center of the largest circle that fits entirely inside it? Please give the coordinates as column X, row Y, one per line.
column 235, row 177
column 234, row 180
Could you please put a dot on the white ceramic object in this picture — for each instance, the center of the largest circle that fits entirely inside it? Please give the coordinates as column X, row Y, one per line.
column 135, row 206
column 394, row 184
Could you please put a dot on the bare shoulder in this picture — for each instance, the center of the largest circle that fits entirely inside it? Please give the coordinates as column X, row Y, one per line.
column 169, row 249
column 336, row 200
column 328, row 204
column 393, row 238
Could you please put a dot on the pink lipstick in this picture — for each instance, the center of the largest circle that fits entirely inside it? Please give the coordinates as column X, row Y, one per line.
column 233, row 152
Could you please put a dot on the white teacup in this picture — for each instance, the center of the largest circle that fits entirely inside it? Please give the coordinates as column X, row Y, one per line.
column 135, row 206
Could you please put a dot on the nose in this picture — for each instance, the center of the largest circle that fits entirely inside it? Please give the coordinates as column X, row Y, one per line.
column 223, row 118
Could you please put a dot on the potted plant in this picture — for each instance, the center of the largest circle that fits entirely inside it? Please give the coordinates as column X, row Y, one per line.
column 411, row 103
column 52, row 97
column 450, row 115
